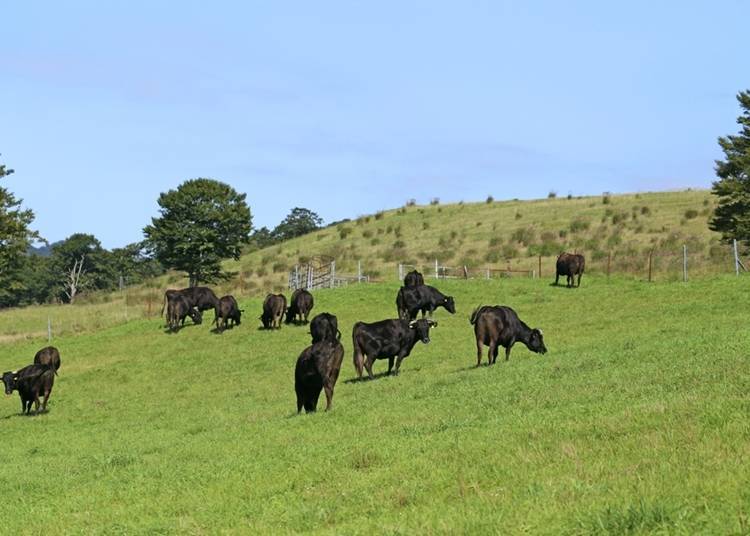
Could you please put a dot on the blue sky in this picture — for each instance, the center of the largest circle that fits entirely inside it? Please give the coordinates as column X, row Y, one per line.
column 350, row 107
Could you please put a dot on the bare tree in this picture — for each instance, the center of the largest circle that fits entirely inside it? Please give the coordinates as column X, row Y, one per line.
column 73, row 280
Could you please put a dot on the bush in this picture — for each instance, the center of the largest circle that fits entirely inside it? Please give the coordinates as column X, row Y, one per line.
column 399, row 244
column 389, row 229
column 524, row 235
column 552, row 194
column 619, row 217
column 562, row 233
column 375, row 241
column 479, row 223
column 509, row 251
column 579, row 224
column 606, row 198
column 397, row 231
column 645, row 211
column 435, row 201
column 367, row 233
column 279, row 267
column 518, row 215
column 493, row 255
column 425, row 225
column 260, row 272
column 490, row 199
column 691, row 213
column 495, row 241
column 344, row 232
column 705, row 202
column 379, row 215
column 411, row 202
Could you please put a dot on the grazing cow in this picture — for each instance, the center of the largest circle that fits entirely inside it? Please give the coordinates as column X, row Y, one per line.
column 500, row 326
column 226, row 310
column 179, row 308
column 325, row 327
column 411, row 300
column 387, row 339
column 570, row 265
column 317, row 368
column 49, row 355
column 200, row 298
column 30, row 382
column 413, row 279
column 300, row 305
column 274, row 307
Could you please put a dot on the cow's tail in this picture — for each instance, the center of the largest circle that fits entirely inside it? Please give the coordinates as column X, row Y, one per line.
column 475, row 314
column 358, row 354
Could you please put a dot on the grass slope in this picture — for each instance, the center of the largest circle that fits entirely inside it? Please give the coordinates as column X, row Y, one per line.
column 636, row 421
column 514, row 233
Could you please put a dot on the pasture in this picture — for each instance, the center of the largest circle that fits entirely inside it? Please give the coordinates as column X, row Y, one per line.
column 635, row 421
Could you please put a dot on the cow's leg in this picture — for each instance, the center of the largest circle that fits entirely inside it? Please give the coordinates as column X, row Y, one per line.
column 300, row 399
column 328, row 388
column 46, row 397
column 23, row 405
column 507, row 349
column 390, row 364
column 571, row 281
column 368, row 366
column 492, row 354
column 579, row 278
column 359, row 362
column 557, row 279
column 36, row 402
column 480, row 346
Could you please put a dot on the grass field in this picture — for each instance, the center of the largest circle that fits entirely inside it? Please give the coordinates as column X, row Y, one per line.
column 636, row 421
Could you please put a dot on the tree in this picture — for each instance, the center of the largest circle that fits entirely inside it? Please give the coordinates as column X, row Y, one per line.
column 300, row 221
column 134, row 265
column 261, row 238
column 15, row 239
column 732, row 215
column 202, row 222
column 80, row 263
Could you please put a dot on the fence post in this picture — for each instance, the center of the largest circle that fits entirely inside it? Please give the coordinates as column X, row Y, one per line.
column 310, row 274
column 540, row 266
column 736, row 258
column 488, row 273
column 49, row 329
column 684, row 263
column 359, row 271
column 436, row 270
column 400, row 272
column 333, row 274
column 609, row 263
column 650, row 263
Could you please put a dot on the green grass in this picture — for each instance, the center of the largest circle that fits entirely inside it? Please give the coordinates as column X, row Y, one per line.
column 636, row 421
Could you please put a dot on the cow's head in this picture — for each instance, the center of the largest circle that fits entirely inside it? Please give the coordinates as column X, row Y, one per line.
column 449, row 304
column 422, row 328
column 536, row 342
column 9, row 379
column 195, row 315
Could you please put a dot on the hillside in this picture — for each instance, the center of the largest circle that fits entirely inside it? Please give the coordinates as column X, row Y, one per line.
column 619, row 229
column 634, row 422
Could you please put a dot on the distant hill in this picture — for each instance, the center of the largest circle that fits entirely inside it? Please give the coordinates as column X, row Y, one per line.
column 43, row 250
column 618, row 230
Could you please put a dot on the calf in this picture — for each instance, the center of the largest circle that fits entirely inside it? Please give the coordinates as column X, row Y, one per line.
column 226, row 310
column 500, row 326
column 49, row 355
column 178, row 309
column 30, row 382
column 200, row 298
column 413, row 279
column 411, row 300
column 317, row 369
column 325, row 327
column 274, row 307
column 387, row 339
column 569, row 265
column 300, row 305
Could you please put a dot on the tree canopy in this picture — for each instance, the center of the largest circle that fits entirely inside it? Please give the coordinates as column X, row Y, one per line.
column 732, row 215
column 201, row 223
column 16, row 237
column 300, row 221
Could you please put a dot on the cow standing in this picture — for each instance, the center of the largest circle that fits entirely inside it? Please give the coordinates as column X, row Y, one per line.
column 274, row 307
column 300, row 305
column 325, row 327
column 49, row 355
column 411, row 300
column 31, row 382
column 178, row 309
column 570, row 265
column 317, row 369
column 199, row 298
column 387, row 339
column 226, row 310
column 413, row 279
column 500, row 326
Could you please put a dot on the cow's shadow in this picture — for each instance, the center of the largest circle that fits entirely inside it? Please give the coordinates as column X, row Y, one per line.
column 27, row 415
column 170, row 331
column 365, row 378
column 561, row 285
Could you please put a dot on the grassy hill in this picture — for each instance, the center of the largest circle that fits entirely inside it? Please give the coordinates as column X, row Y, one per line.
column 621, row 229
column 636, row 421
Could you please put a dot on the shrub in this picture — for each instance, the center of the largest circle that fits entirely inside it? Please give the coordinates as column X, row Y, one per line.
column 279, row 267
column 509, row 251
column 691, row 213
column 389, row 229
column 606, row 198
column 454, row 234
column 645, row 210
column 518, row 215
column 705, row 202
column 375, row 241
column 425, row 225
column 562, row 233
column 399, row 244
column 379, row 215
column 381, row 230
column 570, row 196
column 492, row 255
column 495, row 241
column 260, row 272
column 490, row 199
column 397, row 231
column 479, row 223
column 524, row 235
column 367, row 233
column 619, row 217
column 435, row 201
column 411, row 202
column 344, row 232
column 552, row 194
column 579, row 224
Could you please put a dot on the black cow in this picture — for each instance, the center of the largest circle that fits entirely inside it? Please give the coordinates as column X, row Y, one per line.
column 500, row 326
column 274, row 307
column 413, row 279
column 30, row 382
column 387, row 339
column 411, row 300
column 49, row 355
column 570, row 265
column 317, row 369
column 226, row 310
column 325, row 327
column 178, row 309
column 200, row 298
column 300, row 305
